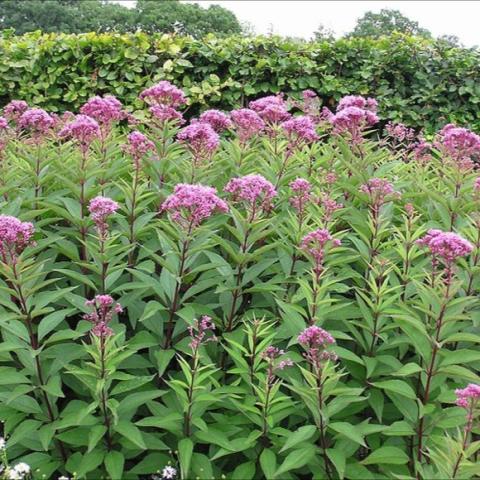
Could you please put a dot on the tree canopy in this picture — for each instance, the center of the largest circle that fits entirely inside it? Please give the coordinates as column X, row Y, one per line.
column 386, row 22
column 78, row 16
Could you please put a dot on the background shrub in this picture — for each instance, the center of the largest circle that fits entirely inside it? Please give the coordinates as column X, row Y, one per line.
column 419, row 81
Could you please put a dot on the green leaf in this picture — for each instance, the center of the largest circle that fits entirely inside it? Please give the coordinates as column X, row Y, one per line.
column 348, row 431
column 300, row 435
column 397, row 386
column 296, row 459
column 268, row 462
column 337, row 457
column 131, row 433
column 114, row 462
column 185, row 450
column 386, row 455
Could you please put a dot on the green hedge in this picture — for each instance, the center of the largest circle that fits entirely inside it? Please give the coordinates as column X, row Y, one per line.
column 418, row 81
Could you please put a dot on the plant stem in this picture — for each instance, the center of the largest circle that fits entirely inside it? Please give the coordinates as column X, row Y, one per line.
column 103, row 395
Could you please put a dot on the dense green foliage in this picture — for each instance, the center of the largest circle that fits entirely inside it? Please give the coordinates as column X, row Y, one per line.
column 80, row 16
column 125, row 406
column 386, row 22
column 418, row 81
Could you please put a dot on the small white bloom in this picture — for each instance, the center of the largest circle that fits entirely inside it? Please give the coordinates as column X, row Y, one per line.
column 22, row 468
column 3, row 443
column 13, row 475
column 169, row 472
column 63, row 477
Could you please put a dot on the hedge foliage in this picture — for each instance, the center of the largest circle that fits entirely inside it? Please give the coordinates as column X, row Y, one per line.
column 417, row 81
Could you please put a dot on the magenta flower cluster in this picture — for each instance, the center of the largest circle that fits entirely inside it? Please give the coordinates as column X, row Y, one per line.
column 316, row 340
column 271, row 109
column 189, row 205
column 247, row 123
column 201, row 139
column 100, row 209
column 301, row 193
column 105, row 110
column 218, row 120
column 164, row 93
column 399, row 132
column 300, row 131
column 379, row 190
column 37, row 121
column 138, row 145
column 468, row 395
column 15, row 236
column 14, row 110
column 315, row 244
column 447, row 245
column 254, row 190
column 82, row 129
column 460, row 144
column 104, row 307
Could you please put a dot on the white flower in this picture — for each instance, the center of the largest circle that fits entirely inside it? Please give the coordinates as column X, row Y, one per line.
column 63, row 478
column 3, row 444
column 13, row 475
column 169, row 472
column 22, row 468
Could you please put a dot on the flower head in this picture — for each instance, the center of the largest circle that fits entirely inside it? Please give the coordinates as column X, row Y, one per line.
column 353, row 120
column 189, row 205
column 169, row 472
column 315, row 244
column 447, row 245
column 83, row 129
column 15, row 236
column 164, row 93
column 272, row 109
column 254, row 190
column 422, row 151
column 300, row 131
column 218, row 120
column 138, row 145
column 100, row 209
column 201, row 139
column 247, row 123
column 461, row 145
column 399, row 132
column 468, row 395
column 104, row 307
column 198, row 332
column 18, row 471
column 37, row 121
column 301, row 193
column 357, row 101
column 379, row 191
column 165, row 113
column 316, row 340
column 105, row 110
column 14, row 109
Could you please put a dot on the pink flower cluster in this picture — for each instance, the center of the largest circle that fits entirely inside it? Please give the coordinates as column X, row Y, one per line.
column 100, row 209
column 14, row 110
column 300, row 131
column 422, row 151
column 315, row 244
column 329, row 205
column 468, row 395
column 164, row 93
column 137, row 146
column 271, row 109
column 379, row 190
column 218, row 120
column 201, row 139
column 460, row 144
column 254, row 190
column 189, row 205
column 198, row 332
column 83, row 129
column 3, row 123
column 316, row 340
column 301, row 193
column 447, row 245
column 165, row 113
column 105, row 110
column 37, row 121
column 399, row 132
column 15, row 236
column 247, row 123
column 104, row 307
column 310, row 105
column 271, row 355
column 353, row 115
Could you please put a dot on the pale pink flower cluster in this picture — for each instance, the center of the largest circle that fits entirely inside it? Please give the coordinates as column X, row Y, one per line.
column 316, row 340
column 169, row 473
column 254, row 190
column 315, row 244
column 189, row 205
column 14, row 110
column 271, row 355
column 138, row 145
column 301, row 193
column 105, row 110
column 447, row 245
column 15, row 236
column 329, row 205
column 330, row 178
column 3, row 123
column 422, row 151
column 247, row 123
column 399, row 132
column 358, row 101
column 310, row 105
column 379, row 190
column 100, row 209
column 82, row 129
column 37, row 121
column 300, row 131
column 460, row 144
column 201, row 139
column 271, row 109
column 104, row 307
column 218, row 120
column 198, row 332
column 165, row 113
column 164, row 93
